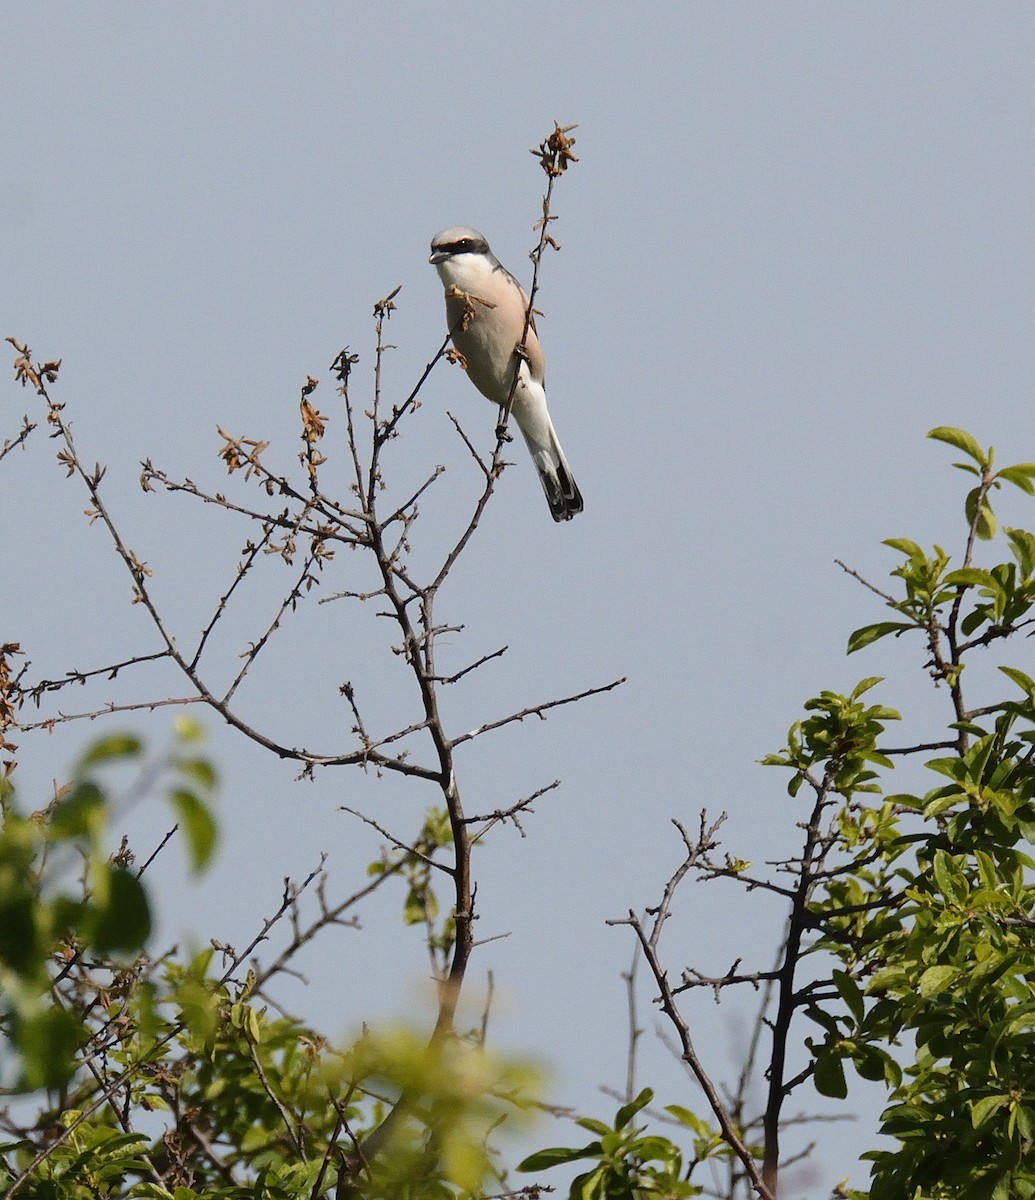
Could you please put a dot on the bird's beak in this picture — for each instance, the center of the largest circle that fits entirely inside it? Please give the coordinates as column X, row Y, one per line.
column 438, row 256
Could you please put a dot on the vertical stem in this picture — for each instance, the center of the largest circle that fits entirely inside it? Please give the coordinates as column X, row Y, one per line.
column 786, row 999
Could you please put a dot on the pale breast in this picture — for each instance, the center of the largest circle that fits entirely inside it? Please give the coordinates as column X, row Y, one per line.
column 489, row 341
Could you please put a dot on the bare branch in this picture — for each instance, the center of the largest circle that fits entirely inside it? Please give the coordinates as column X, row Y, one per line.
column 19, row 438
column 509, row 814
column 648, row 944
column 535, row 710
column 396, row 842
column 891, row 601
column 472, row 667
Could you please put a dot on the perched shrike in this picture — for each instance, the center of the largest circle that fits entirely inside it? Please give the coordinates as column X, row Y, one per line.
column 489, row 345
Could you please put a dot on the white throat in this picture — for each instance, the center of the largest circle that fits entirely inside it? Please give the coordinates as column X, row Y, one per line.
column 465, row 271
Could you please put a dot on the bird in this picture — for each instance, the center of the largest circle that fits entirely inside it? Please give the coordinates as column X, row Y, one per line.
column 476, row 282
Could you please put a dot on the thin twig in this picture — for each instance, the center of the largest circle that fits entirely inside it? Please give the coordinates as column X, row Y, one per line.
column 536, row 710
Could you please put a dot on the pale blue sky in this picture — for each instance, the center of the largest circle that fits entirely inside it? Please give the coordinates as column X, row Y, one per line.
column 798, row 237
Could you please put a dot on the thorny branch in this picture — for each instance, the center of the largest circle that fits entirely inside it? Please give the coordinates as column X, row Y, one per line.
column 85, row 1106
column 811, row 868
column 304, row 525
column 19, row 438
column 648, row 934
column 554, row 155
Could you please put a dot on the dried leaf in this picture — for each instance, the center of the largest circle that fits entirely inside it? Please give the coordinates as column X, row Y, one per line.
column 313, row 422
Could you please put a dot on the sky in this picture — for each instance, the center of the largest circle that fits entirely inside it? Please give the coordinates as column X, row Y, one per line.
column 798, row 237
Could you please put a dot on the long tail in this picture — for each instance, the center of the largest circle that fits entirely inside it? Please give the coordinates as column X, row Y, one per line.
column 533, row 419
column 562, row 492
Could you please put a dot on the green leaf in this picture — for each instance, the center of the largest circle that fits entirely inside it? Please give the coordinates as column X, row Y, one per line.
column 880, row 712
column 591, row 1186
column 124, row 924
column 199, row 1011
column 863, row 686
column 905, row 800
column 961, row 440
column 80, row 814
column 691, row 1120
column 890, row 978
column 973, row 577
column 977, row 758
column 905, row 546
column 968, row 467
column 543, row 1160
column 198, row 827
column 419, row 906
column 1022, row 543
column 1021, row 475
column 200, row 770
column 48, row 1043
column 20, row 945
column 252, row 1025
column 869, row 634
column 189, row 729
column 944, row 800
column 147, row 1018
column 981, row 518
column 829, row 1076
column 937, row 979
column 600, row 1128
column 1025, row 1122
column 977, row 617
column 654, row 1149
column 850, row 994
column 112, row 748
column 987, row 871
column 628, row 1111
column 869, row 1062
column 986, row 524
column 1024, row 682
column 824, row 1019
column 950, row 767
column 892, row 1069
column 983, row 1109
column 950, row 879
